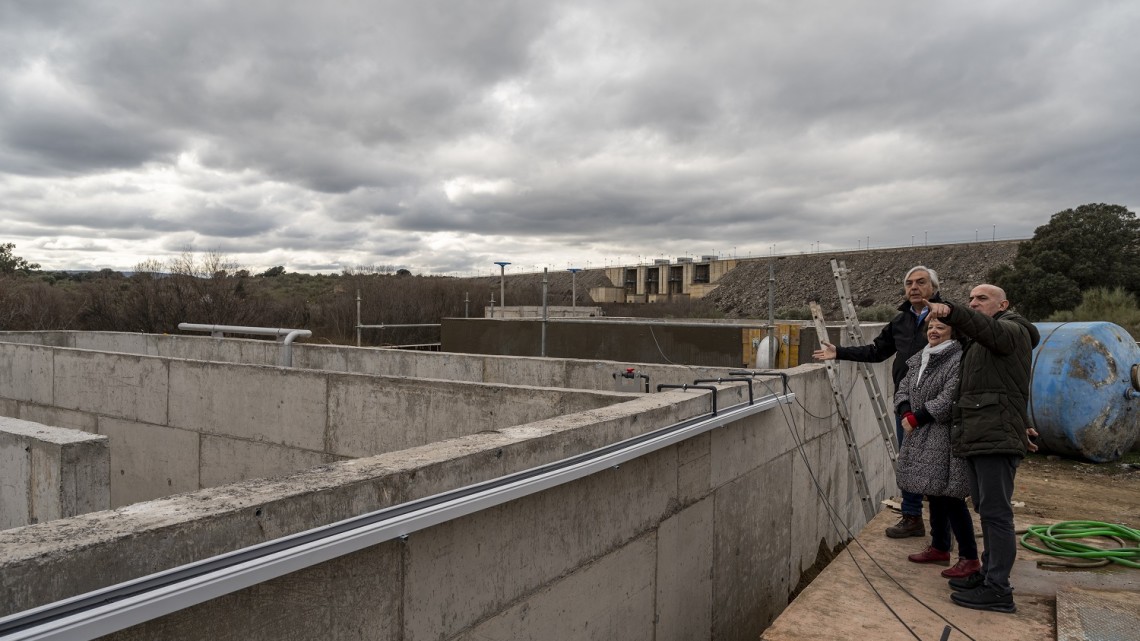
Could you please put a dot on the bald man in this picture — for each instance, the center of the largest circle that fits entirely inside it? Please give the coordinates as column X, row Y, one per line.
column 989, row 428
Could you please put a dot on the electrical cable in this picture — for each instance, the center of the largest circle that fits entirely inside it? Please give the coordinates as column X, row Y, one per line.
column 833, row 517
column 659, row 350
column 1057, row 540
column 845, row 397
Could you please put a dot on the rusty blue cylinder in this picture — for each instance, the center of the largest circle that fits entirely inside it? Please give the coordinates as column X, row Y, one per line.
column 1083, row 400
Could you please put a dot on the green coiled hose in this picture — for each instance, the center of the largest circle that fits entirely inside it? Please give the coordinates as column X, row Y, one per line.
column 1057, row 540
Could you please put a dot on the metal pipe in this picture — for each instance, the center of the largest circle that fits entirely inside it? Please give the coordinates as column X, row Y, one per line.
column 218, row 331
column 502, row 283
column 729, row 380
column 574, row 285
column 107, row 610
column 772, row 347
column 545, row 289
column 238, row 329
column 358, row 318
column 782, row 375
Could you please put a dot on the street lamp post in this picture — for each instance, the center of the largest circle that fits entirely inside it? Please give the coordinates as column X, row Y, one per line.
column 574, row 285
column 502, row 282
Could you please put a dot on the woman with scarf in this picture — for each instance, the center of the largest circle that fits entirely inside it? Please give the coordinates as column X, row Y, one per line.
column 925, row 464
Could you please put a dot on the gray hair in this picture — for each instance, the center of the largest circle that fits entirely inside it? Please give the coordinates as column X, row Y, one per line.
column 923, row 268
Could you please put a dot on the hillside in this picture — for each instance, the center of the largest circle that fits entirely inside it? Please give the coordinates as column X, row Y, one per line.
column 875, row 277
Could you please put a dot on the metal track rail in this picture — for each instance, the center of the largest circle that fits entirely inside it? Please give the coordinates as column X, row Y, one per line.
column 103, row 611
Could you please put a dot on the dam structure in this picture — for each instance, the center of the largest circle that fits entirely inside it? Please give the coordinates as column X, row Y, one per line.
column 200, row 489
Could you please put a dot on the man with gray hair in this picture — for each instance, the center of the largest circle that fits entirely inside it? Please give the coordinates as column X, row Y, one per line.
column 990, row 429
column 902, row 338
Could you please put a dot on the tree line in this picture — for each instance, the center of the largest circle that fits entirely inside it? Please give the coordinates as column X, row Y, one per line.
column 1084, row 264
column 211, row 289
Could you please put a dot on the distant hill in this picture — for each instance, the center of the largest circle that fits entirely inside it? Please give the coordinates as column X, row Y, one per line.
column 875, row 277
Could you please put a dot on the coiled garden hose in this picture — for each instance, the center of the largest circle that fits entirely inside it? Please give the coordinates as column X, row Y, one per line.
column 1058, row 540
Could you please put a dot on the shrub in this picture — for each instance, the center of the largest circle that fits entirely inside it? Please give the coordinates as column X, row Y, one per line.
column 1102, row 304
column 877, row 314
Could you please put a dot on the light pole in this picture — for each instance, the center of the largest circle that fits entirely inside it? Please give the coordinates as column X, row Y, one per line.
column 502, row 282
column 574, row 285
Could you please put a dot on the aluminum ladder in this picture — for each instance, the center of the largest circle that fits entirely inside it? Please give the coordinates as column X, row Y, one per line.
column 844, row 417
column 882, row 411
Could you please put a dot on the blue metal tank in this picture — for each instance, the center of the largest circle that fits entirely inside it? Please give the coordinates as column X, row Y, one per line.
column 1083, row 400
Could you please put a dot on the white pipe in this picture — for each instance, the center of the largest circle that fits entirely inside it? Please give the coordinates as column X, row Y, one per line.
column 218, row 331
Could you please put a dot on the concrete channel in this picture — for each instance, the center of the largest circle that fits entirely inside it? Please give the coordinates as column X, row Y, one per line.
column 214, row 448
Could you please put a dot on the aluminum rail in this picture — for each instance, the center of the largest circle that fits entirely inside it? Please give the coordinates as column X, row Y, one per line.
column 218, row 331
column 107, row 610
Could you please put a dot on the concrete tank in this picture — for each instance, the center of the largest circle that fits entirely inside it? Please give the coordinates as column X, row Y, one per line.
column 1085, row 390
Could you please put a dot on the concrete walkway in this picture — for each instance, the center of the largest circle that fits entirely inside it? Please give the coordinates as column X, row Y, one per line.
column 840, row 604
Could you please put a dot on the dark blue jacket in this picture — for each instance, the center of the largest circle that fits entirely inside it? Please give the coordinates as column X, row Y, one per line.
column 902, row 338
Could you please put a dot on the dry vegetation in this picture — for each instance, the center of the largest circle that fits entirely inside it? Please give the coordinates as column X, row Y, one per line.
column 209, row 288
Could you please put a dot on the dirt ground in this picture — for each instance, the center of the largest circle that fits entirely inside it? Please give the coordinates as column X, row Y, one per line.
column 1059, row 489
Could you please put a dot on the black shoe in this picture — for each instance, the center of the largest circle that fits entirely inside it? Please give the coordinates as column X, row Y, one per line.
column 984, row 597
column 967, row 582
column 908, row 525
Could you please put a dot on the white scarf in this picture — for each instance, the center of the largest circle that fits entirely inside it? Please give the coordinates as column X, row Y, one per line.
column 926, row 352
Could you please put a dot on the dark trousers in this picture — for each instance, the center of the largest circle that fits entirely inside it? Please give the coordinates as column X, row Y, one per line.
column 991, row 488
column 950, row 514
column 911, row 502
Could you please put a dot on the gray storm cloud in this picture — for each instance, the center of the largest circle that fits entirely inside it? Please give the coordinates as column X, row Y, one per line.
column 435, row 135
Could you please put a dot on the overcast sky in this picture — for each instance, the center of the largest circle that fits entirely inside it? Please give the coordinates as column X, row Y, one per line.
column 443, row 136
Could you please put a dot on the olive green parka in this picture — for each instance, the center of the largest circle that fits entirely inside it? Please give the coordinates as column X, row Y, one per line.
column 990, row 414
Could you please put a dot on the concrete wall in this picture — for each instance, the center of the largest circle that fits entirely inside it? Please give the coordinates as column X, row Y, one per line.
column 177, row 425
column 572, row 373
column 49, row 473
column 701, row 540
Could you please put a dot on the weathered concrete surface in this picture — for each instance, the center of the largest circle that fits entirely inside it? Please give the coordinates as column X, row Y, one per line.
column 354, row 597
column 367, row 416
column 684, row 583
column 118, row 385
column 463, row 570
column 264, row 404
column 27, row 374
column 103, row 548
column 57, row 417
column 48, row 473
column 229, row 460
column 751, row 550
column 709, row 523
column 611, row 598
column 150, row 461
column 163, row 414
column 479, row 368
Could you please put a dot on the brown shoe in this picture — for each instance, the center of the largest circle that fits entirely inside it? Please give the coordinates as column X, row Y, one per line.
column 907, row 526
column 930, row 555
column 962, row 569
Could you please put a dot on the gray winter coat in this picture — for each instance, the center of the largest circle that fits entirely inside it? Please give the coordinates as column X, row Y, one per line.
column 925, row 464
